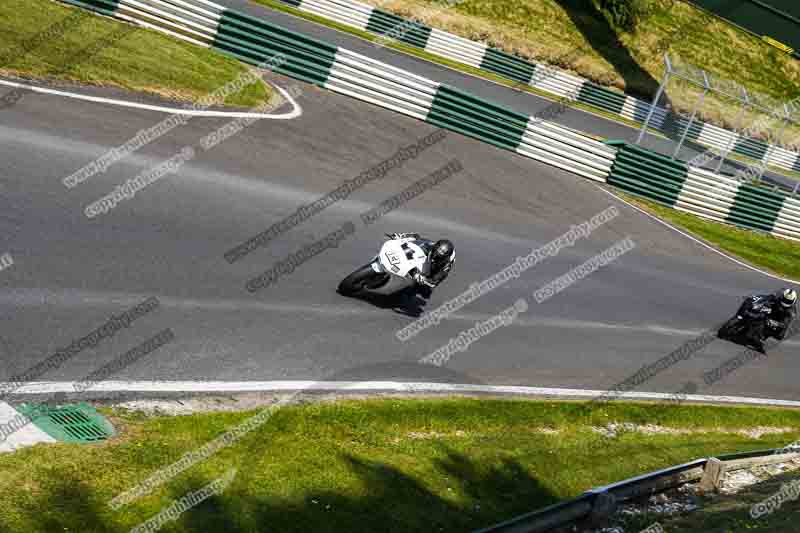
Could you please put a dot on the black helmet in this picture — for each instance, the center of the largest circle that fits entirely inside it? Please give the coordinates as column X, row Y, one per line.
column 440, row 255
column 788, row 298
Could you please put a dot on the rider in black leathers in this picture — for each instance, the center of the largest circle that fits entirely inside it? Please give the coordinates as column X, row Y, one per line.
column 782, row 311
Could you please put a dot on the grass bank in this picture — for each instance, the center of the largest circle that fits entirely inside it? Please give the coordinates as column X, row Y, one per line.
column 369, row 465
column 779, row 256
column 46, row 40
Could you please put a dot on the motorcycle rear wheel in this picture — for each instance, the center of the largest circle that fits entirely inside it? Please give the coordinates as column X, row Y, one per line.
column 359, row 280
column 731, row 329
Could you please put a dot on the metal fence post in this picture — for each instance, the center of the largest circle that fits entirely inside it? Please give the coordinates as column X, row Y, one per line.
column 771, row 145
column 734, row 134
column 691, row 119
column 664, row 81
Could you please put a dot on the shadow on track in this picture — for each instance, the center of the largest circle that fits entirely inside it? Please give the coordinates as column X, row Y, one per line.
column 410, row 301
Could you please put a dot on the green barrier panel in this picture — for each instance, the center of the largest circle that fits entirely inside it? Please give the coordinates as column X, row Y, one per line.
column 657, row 178
column 231, row 24
column 634, row 186
column 452, row 104
column 506, row 65
column 398, row 28
column 477, row 107
column 693, row 132
column 311, row 71
column 484, row 106
column 602, row 98
column 452, row 107
column 292, row 67
column 635, row 173
column 634, row 176
column 503, row 138
column 752, row 204
column 104, row 7
column 247, row 21
column 305, row 58
column 647, row 173
column 751, row 148
column 443, row 121
column 650, row 155
column 655, row 165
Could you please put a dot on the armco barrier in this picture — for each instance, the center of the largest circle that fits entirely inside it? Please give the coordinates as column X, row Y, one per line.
column 700, row 192
column 478, row 55
column 602, row 501
column 255, row 41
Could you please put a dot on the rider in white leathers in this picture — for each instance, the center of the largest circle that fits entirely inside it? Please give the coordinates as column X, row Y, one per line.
column 441, row 256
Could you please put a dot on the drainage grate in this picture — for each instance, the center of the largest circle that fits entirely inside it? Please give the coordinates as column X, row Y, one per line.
column 70, row 423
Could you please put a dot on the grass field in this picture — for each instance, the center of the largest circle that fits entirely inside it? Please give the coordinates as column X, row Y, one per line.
column 779, row 256
column 94, row 50
column 368, row 465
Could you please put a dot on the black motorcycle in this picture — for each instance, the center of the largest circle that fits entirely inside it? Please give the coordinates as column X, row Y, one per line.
column 751, row 325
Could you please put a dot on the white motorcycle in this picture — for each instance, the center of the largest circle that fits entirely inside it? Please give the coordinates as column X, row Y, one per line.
column 388, row 273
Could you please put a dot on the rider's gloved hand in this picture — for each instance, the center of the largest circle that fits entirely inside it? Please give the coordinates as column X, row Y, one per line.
column 422, row 280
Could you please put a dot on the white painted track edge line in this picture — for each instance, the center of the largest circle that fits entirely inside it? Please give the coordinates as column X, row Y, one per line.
column 375, row 386
column 698, row 241
column 294, row 113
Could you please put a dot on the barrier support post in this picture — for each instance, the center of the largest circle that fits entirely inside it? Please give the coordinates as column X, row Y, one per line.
column 697, row 105
column 664, row 81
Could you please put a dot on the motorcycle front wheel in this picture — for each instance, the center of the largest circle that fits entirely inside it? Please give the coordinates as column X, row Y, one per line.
column 361, row 279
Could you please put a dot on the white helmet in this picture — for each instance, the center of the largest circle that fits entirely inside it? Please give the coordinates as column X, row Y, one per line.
column 788, row 298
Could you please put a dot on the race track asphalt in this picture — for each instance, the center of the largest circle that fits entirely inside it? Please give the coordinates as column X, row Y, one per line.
column 71, row 274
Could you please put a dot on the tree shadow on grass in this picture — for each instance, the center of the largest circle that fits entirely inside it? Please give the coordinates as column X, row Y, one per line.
column 381, row 498
column 604, row 39
column 399, row 502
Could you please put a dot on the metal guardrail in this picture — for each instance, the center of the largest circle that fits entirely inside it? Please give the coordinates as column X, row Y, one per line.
column 602, row 501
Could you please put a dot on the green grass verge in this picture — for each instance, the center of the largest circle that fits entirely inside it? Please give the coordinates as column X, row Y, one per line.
column 367, row 465
column 142, row 60
column 780, row 256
